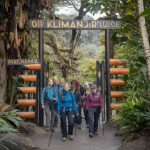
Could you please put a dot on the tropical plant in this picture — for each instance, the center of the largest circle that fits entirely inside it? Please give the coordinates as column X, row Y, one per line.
column 3, row 141
column 9, row 120
column 134, row 116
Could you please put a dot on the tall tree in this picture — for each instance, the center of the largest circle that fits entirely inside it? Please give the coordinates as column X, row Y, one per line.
column 144, row 34
column 14, row 33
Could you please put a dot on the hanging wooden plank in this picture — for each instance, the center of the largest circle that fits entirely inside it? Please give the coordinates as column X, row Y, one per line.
column 119, row 71
column 33, row 66
column 26, row 115
column 116, row 106
column 26, row 90
column 26, row 102
column 116, row 62
column 117, row 94
column 28, row 78
column 117, row 82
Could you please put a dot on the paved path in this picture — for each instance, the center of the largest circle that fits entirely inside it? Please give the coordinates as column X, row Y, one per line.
column 81, row 141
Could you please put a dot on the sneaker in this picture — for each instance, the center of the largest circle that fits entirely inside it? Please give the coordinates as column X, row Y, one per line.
column 95, row 133
column 87, row 126
column 79, row 126
column 71, row 137
column 91, row 134
column 64, row 139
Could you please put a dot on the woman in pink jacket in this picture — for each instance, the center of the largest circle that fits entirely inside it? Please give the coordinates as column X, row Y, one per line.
column 94, row 106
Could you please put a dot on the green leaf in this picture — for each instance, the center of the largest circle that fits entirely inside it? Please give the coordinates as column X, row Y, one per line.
column 146, row 12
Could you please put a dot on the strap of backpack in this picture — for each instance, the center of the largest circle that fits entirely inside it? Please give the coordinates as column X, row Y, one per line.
column 71, row 98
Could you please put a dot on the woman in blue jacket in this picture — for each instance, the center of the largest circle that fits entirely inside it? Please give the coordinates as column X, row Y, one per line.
column 66, row 107
column 48, row 98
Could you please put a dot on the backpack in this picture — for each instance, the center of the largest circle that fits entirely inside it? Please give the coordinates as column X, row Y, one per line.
column 63, row 95
column 46, row 98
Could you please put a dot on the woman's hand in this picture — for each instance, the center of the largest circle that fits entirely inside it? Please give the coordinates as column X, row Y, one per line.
column 43, row 106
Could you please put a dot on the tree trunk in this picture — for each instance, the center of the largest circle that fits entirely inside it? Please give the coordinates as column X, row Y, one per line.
column 144, row 35
column 3, row 80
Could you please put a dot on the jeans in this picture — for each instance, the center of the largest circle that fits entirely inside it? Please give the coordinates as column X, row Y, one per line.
column 47, row 113
column 94, row 113
column 78, row 119
column 70, row 116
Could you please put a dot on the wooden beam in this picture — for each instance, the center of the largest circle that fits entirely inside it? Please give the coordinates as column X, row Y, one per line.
column 26, row 90
column 26, row 102
column 116, row 62
column 26, row 115
column 33, row 66
column 117, row 82
column 28, row 78
column 119, row 71
column 116, row 106
column 117, row 94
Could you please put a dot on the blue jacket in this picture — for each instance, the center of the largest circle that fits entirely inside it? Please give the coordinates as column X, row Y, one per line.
column 68, row 102
column 56, row 88
column 60, row 89
column 78, row 98
column 51, row 94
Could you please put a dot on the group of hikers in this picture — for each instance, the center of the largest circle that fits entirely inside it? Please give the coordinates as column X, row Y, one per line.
column 67, row 101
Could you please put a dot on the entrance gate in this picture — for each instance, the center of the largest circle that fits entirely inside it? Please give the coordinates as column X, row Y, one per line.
column 106, row 25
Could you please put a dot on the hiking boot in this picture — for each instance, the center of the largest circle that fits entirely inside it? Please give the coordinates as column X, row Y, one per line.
column 79, row 126
column 55, row 125
column 91, row 134
column 71, row 137
column 47, row 129
column 95, row 133
column 64, row 139
column 52, row 129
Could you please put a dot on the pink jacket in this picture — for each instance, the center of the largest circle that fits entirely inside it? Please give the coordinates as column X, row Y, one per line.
column 94, row 100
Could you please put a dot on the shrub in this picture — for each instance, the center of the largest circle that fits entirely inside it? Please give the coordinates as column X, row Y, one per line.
column 134, row 116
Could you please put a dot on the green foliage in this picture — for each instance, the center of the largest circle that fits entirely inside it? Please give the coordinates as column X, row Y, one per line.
column 128, row 44
column 4, row 140
column 146, row 12
column 9, row 120
column 88, row 70
column 134, row 116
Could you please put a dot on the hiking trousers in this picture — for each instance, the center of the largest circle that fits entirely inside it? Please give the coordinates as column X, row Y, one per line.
column 64, row 116
column 47, row 113
column 54, row 118
column 78, row 119
column 94, row 113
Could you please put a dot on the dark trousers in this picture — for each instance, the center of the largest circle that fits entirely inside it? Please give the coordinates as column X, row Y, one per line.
column 78, row 119
column 86, row 116
column 67, row 114
column 94, row 113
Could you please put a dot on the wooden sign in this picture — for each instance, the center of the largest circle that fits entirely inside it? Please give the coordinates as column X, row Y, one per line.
column 22, row 61
column 74, row 24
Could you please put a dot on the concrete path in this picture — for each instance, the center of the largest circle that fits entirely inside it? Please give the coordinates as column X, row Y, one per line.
column 81, row 140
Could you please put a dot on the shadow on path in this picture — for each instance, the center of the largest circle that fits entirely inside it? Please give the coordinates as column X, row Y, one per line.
column 81, row 140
